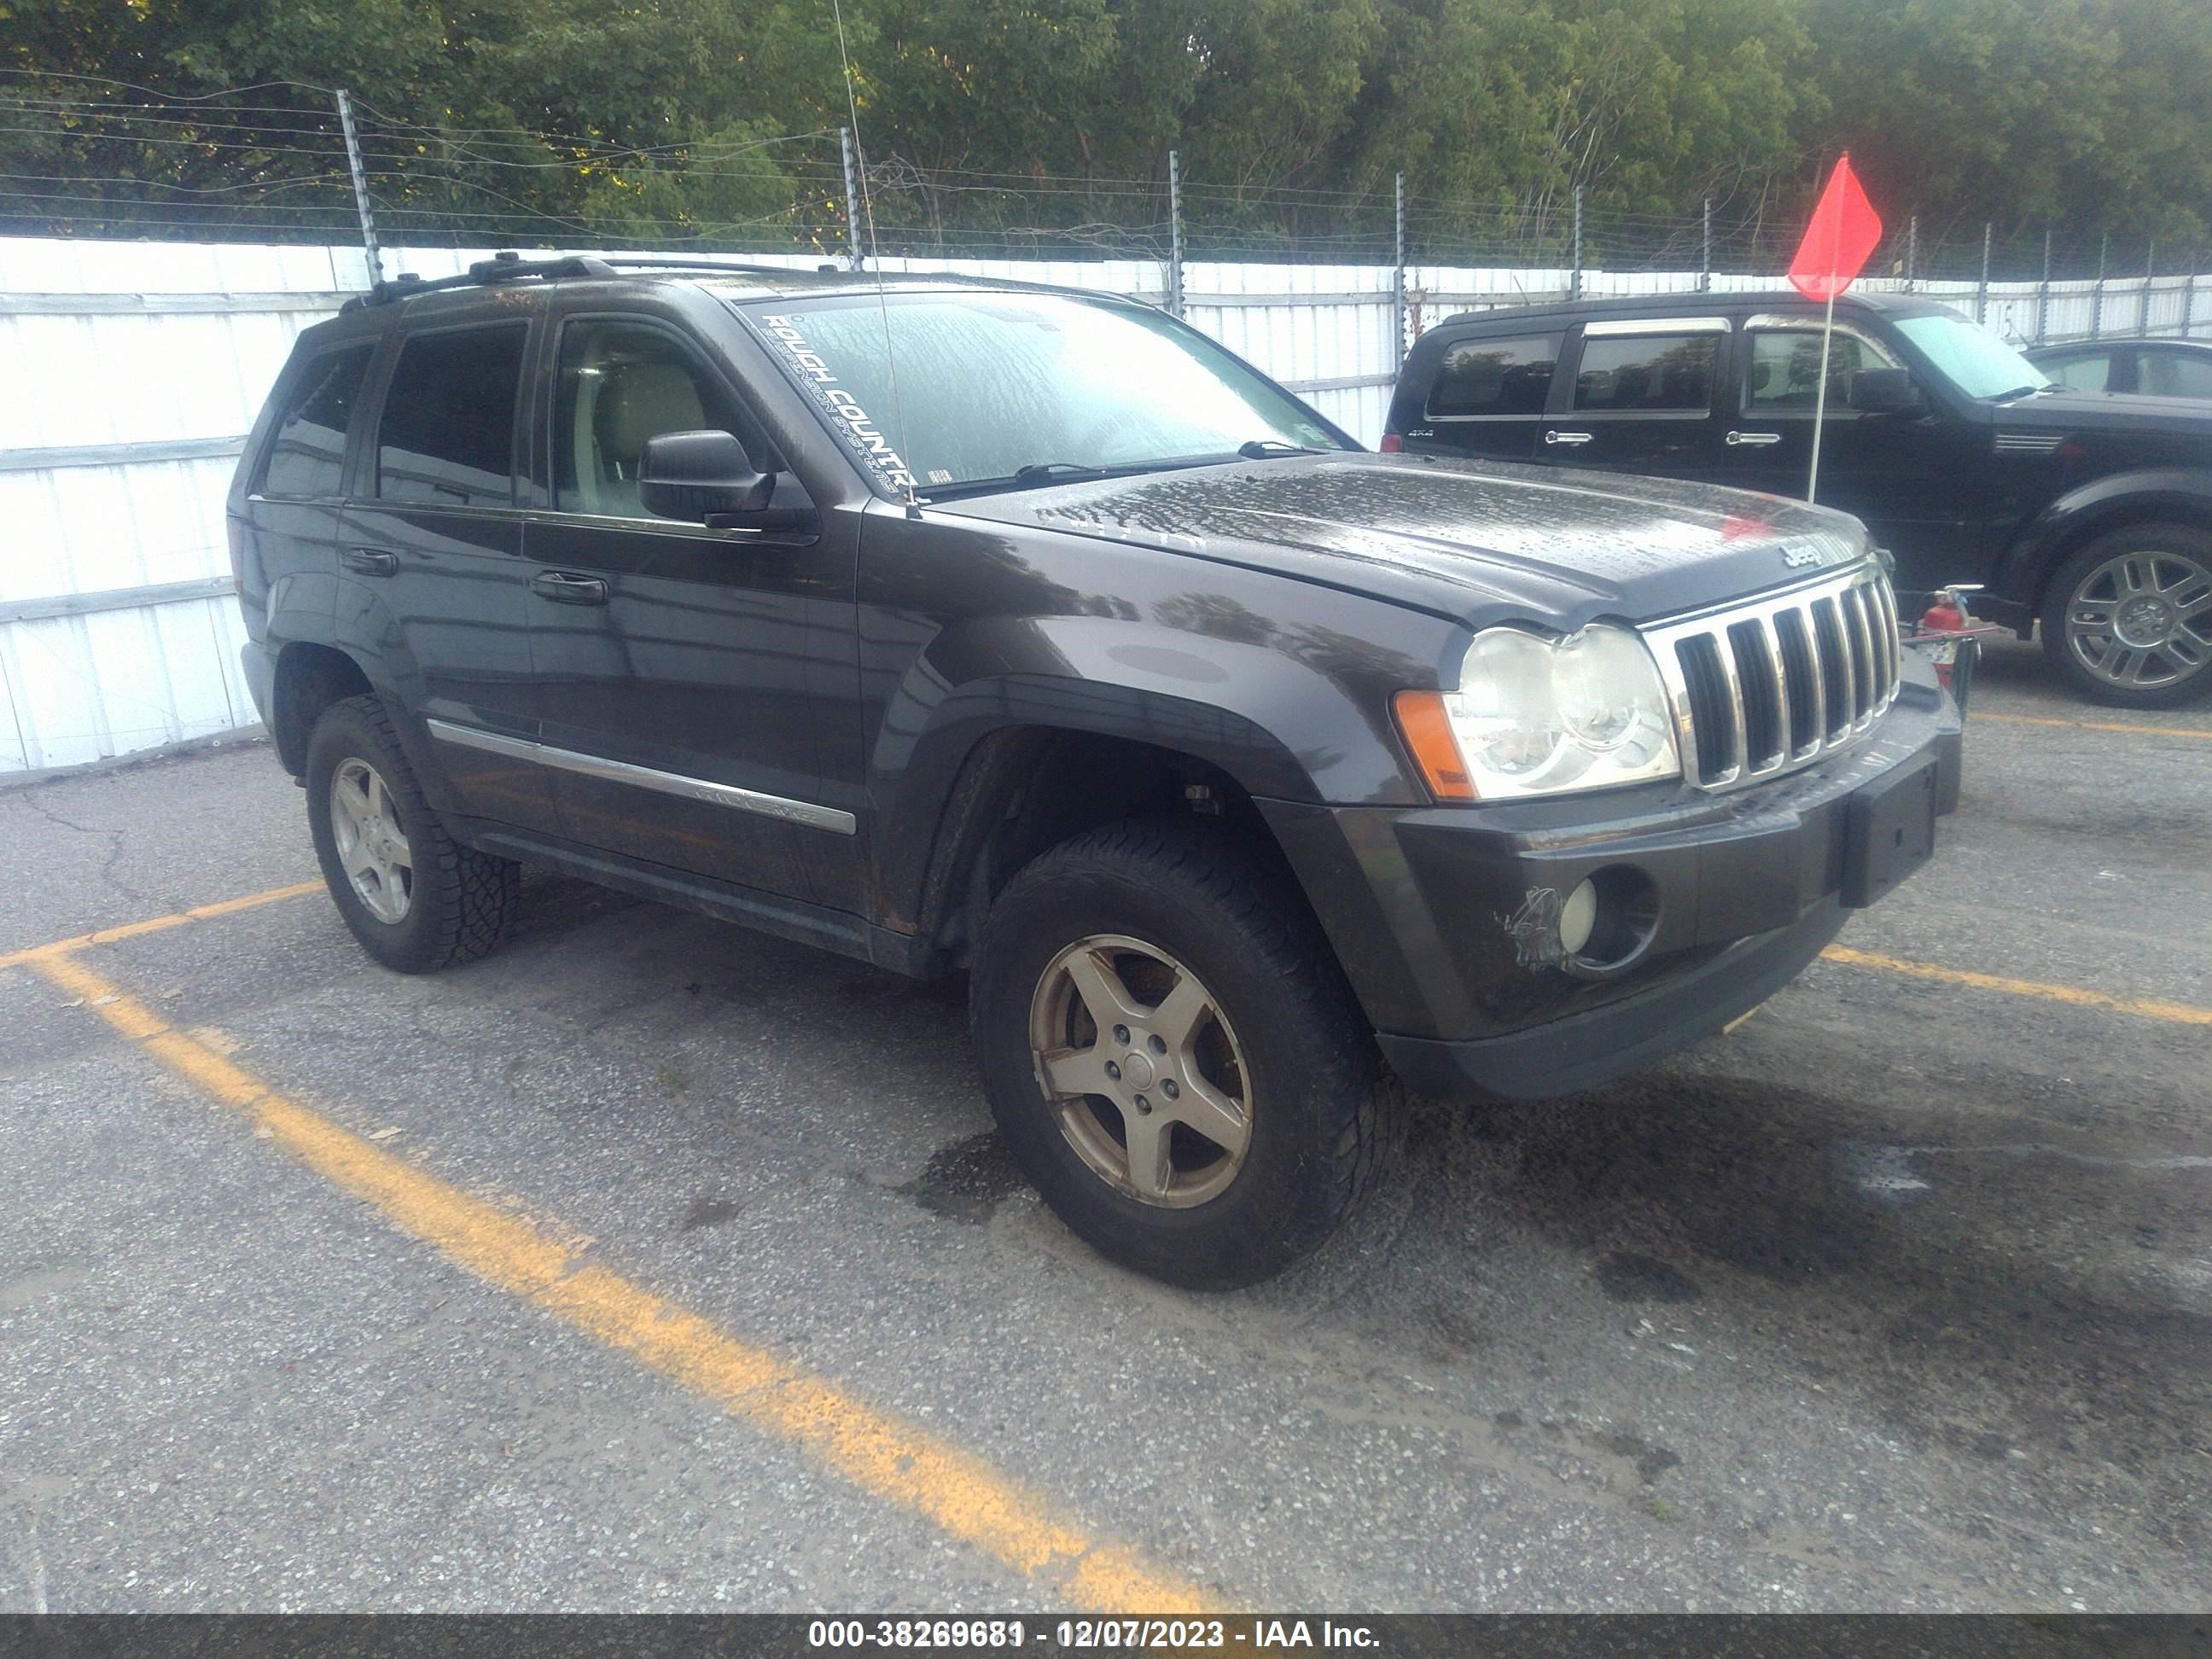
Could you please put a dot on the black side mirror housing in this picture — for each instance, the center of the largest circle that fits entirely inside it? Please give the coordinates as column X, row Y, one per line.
column 1885, row 391
column 701, row 478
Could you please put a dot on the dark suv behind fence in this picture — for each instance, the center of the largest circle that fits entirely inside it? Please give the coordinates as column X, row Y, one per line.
column 958, row 626
column 2087, row 515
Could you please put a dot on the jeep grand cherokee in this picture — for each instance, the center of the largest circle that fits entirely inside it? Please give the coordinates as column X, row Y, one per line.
column 956, row 625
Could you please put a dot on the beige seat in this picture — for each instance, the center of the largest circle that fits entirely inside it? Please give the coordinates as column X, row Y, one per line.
column 639, row 400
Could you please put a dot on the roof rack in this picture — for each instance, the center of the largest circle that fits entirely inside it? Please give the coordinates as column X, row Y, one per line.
column 510, row 267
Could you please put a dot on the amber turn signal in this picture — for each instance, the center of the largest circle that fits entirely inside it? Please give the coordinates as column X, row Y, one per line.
column 1428, row 733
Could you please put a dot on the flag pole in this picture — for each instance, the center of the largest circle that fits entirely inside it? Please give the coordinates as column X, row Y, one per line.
column 1820, row 394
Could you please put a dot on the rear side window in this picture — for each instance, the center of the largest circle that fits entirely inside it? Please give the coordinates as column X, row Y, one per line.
column 1639, row 373
column 307, row 457
column 446, row 436
column 1494, row 377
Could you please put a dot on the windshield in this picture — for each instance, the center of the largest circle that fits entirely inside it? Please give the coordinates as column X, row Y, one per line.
column 990, row 383
column 1970, row 357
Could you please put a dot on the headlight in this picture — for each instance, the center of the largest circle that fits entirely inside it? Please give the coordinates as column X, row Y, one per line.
column 1534, row 716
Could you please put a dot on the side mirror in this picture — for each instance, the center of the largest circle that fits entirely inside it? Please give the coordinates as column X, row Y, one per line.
column 1885, row 391
column 700, row 478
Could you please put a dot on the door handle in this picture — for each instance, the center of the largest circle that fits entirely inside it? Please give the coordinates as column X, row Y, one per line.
column 1752, row 439
column 369, row 560
column 565, row 589
column 1568, row 437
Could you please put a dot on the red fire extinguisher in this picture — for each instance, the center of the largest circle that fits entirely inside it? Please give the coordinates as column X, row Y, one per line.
column 1947, row 621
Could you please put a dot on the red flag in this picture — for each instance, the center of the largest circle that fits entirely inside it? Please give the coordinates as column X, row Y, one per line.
column 1846, row 230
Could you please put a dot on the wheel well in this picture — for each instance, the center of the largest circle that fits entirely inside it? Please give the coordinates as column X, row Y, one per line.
column 2196, row 515
column 1025, row 790
column 309, row 679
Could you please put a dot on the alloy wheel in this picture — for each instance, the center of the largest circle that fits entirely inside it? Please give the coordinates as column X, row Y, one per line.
column 1143, row 1071
column 2143, row 620
column 371, row 844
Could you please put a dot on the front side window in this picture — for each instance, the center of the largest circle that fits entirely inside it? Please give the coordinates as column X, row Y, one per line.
column 943, row 391
column 622, row 383
column 1784, row 377
column 2164, row 375
column 307, row 456
column 2091, row 372
column 1644, row 373
column 1494, row 377
column 1972, row 358
column 446, row 436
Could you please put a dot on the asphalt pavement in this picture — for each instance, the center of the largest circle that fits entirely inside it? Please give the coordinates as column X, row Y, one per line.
column 1899, row 1297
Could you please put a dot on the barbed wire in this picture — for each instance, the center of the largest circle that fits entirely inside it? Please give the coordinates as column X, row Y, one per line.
column 128, row 160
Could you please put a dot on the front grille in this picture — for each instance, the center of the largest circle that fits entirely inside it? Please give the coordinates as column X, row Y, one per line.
column 1772, row 684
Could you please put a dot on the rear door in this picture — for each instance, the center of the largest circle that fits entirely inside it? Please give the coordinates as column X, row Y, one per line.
column 431, row 573
column 1639, row 398
column 1486, row 396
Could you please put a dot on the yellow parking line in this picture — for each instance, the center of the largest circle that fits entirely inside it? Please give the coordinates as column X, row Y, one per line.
column 158, row 924
column 960, row 1493
column 2136, row 727
column 2176, row 1013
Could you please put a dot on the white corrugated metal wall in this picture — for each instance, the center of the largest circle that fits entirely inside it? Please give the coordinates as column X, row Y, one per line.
column 131, row 372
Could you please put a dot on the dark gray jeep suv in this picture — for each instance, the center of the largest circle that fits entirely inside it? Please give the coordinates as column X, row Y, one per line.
column 954, row 625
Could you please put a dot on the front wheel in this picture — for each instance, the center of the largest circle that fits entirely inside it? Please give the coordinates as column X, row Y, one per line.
column 2129, row 617
column 1172, row 1053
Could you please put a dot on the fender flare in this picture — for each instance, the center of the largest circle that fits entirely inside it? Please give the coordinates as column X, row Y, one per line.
column 2183, row 492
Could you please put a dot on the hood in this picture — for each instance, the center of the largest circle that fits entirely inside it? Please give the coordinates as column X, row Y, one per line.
column 2065, row 409
column 1480, row 543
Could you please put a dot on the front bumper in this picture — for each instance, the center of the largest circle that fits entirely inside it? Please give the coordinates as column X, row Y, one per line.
column 1438, row 914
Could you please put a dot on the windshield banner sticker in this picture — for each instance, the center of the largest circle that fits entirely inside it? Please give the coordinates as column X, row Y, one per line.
column 842, row 404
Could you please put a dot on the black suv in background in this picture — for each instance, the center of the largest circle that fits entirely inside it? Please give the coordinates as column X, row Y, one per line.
column 954, row 625
column 2090, row 514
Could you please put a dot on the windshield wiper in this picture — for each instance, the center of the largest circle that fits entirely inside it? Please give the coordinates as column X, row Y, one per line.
column 1265, row 449
column 2017, row 391
column 1037, row 474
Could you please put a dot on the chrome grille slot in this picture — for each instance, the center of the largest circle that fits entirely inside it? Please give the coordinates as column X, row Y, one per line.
column 1759, row 682
column 1772, row 685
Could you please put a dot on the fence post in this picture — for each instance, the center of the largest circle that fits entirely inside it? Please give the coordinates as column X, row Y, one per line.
column 1982, row 294
column 2189, row 303
column 2150, row 266
column 1398, row 300
column 360, row 189
column 2097, row 303
column 2042, row 292
column 1175, row 232
column 1575, row 282
column 852, row 199
column 1705, row 256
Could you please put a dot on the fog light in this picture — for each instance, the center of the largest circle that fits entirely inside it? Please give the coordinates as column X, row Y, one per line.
column 1578, row 916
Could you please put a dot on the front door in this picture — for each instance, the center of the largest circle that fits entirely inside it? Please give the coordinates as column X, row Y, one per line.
column 686, row 673
column 431, row 573
column 1900, row 474
column 1640, row 398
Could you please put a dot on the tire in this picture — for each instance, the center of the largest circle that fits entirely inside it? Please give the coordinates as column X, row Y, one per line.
column 415, row 898
column 1178, row 916
column 2154, row 578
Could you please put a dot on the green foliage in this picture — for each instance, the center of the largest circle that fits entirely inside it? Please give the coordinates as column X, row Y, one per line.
column 716, row 119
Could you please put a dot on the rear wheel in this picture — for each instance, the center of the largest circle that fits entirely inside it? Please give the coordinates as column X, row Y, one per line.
column 1173, row 1054
column 416, row 899
column 2129, row 617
